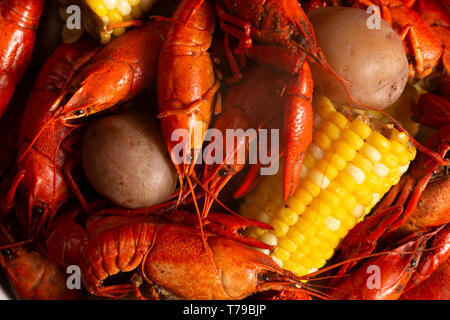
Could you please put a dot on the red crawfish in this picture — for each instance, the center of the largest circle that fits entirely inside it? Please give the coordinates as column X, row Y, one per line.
column 40, row 184
column 18, row 23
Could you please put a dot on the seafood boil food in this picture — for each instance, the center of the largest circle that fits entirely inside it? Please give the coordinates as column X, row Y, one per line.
column 225, row 149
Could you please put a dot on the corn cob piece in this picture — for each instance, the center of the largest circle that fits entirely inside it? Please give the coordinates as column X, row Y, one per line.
column 98, row 14
column 348, row 168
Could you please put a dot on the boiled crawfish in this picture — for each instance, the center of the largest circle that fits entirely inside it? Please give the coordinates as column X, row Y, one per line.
column 30, row 274
column 18, row 23
column 169, row 255
column 187, row 84
column 40, row 185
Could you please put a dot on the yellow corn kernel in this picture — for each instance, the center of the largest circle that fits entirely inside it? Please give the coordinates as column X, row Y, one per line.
column 362, row 163
column 292, row 267
column 287, row 244
column 269, row 238
column 279, row 227
column 373, row 182
column 328, row 254
column 304, row 196
column 337, row 189
column 319, row 179
column 296, row 205
column 397, row 148
column 110, row 4
column 309, row 161
column 310, row 215
column 380, row 170
column 400, row 137
column 260, row 232
column 323, row 107
column 404, row 159
column 329, row 198
column 346, row 180
column 115, row 16
column 338, row 119
column 347, row 152
column 349, row 202
column 390, row 160
column 362, row 129
column 358, row 210
column 331, row 130
column 332, row 223
column 342, row 232
column 98, row 7
column 281, row 254
column 356, row 173
column 348, row 221
column 364, row 195
column 370, row 153
column 321, row 207
column 296, row 236
column 336, row 161
column 311, row 187
column 340, row 213
column 316, row 255
column 377, row 140
column 287, row 216
column 321, row 139
column 352, row 139
column 124, row 7
column 327, row 169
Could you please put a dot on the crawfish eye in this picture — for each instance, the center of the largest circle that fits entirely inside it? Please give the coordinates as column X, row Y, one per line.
column 78, row 113
column 413, row 263
column 223, row 173
column 38, row 210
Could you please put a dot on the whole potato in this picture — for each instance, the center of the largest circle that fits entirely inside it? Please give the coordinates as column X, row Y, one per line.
column 372, row 60
column 126, row 161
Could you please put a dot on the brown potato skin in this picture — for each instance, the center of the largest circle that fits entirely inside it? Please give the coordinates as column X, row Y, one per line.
column 125, row 160
column 373, row 61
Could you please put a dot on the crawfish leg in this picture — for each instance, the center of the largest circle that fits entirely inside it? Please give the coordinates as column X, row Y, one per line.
column 7, row 203
column 245, row 41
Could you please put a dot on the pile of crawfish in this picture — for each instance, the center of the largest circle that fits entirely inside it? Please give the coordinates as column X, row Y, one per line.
column 50, row 220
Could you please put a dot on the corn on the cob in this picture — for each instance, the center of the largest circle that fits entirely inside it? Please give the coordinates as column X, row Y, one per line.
column 348, row 168
column 98, row 14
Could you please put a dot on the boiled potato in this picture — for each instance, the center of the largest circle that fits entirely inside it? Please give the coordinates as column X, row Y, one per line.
column 126, row 161
column 372, row 60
